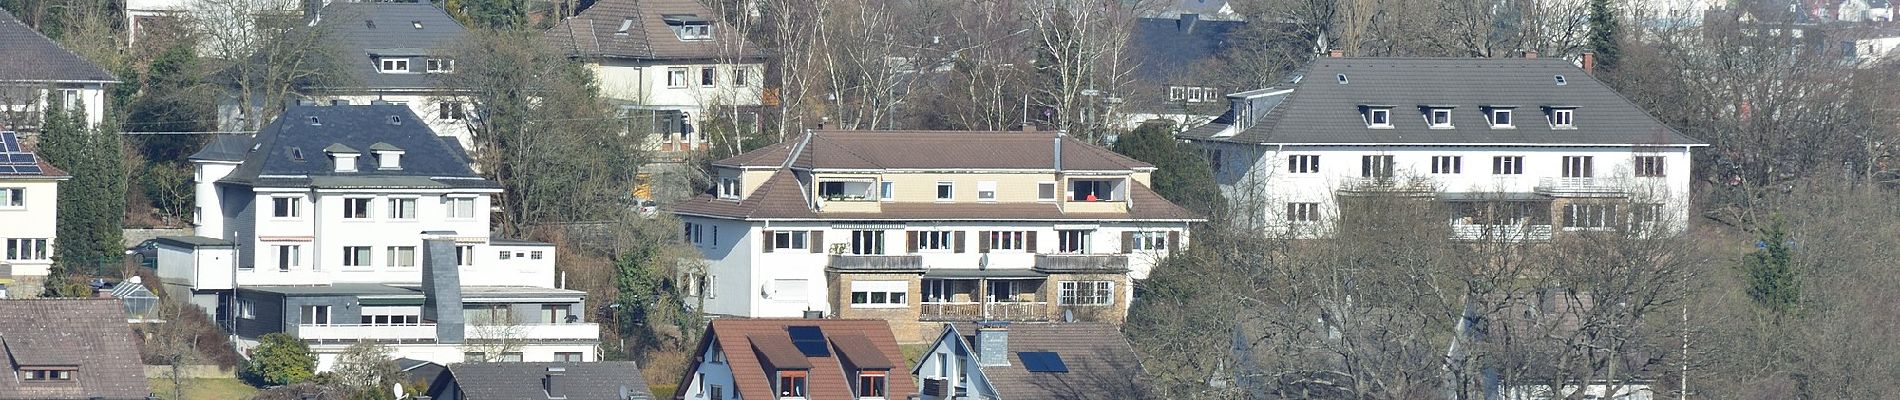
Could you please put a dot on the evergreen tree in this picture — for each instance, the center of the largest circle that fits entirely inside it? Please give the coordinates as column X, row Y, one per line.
column 1182, row 174
column 92, row 203
column 1770, row 272
column 280, row 359
column 1605, row 35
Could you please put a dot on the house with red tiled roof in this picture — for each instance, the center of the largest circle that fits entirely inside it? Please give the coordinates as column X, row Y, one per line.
column 791, row 358
column 1045, row 361
column 929, row 226
column 29, row 203
column 60, row 349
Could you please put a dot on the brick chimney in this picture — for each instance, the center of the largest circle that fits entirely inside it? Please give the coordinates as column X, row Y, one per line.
column 1530, row 54
column 992, row 343
column 1590, row 62
column 1336, row 53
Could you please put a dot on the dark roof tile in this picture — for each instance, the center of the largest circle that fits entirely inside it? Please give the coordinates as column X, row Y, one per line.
column 595, row 32
column 90, row 334
column 290, row 151
column 604, row 380
column 827, row 378
column 28, row 56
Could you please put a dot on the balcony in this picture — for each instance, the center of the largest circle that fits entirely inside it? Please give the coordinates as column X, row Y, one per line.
column 1026, row 311
column 849, row 262
column 426, row 332
column 1384, row 185
column 1581, row 187
column 1086, row 263
column 1504, row 232
column 534, row 332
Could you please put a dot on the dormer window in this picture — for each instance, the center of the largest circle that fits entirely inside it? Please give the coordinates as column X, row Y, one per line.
column 696, row 32
column 729, row 188
column 342, row 157
column 388, row 157
column 1377, row 117
column 872, row 384
column 440, row 66
column 689, row 26
column 395, row 65
column 1438, row 117
column 1502, row 117
column 43, row 374
column 791, row 384
column 1563, row 118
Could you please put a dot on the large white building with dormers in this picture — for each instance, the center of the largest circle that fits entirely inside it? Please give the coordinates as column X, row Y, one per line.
column 1520, row 148
column 344, row 223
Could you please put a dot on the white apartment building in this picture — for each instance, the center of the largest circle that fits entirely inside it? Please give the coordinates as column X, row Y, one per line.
column 672, row 61
column 1519, row 148
column 344, row 223
column 29, row 207
column 35, row 71
column 911, row 226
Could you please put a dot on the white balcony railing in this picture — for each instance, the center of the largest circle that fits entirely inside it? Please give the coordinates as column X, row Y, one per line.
column 426, row 332
column 1501, row 232
column 587, row 331
column 1580, row 185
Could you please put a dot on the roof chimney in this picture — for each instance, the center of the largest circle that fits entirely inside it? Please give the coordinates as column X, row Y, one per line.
column 1590, row 62
column 552, row 384
column 1530, row 54
column 1336, row 53
column 1058, row 152
column 992, row 343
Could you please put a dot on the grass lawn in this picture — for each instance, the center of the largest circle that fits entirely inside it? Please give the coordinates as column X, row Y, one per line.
column 913, row 352
column 195, row 389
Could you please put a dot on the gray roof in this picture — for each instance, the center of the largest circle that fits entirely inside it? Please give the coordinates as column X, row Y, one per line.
column 26, row 55
column 224, row 148
column 362, row 31
column 604, row 380
column 595, row 32
column 70, row 333
column 1171, row 51
column 193, row 241
column 1323, row 111
column 335, row 289
column 1101, row 362
column 290, row 151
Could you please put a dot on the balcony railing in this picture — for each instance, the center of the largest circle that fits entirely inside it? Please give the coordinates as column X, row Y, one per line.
column 849, row 262
column 1057, row 263
column 426, row 332
column 975, row 311
column 1580, row 185
column 1503, row 232
column 534, row 331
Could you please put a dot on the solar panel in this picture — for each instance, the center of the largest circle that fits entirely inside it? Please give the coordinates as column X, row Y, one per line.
column 8, row 143
column 809, row 340
column 1042, row 361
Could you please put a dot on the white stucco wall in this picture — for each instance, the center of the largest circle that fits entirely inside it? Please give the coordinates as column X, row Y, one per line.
column 36, row 218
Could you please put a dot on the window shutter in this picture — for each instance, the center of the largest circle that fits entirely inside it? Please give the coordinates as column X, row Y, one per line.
column 959, row 239
column 1174, row 241
column 982, row 241
column 910, row 241
column 1029, row 241
column 817, row 241
column 1128, row 242
column 768, row 242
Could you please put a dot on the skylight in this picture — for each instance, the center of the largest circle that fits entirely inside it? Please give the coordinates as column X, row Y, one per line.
column 1342, row 79
column 1561, row 81
column 625, row 24
column 417, row 24
column 1042, row 361
column 809, row 340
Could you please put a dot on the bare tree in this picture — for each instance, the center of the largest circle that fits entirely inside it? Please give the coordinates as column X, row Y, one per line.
column 266, row 52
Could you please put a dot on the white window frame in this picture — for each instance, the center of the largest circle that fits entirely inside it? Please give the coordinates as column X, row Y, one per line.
column 394, row 65
column 867, row 242
column 1302, row 164
column 292, row 205
column 1563, row 118
column 792, row 240
column 1302, row 212
column 1507, row 165
column 1448, row 164
column 465, row 255
column 12, row 198
column 1431, row 118
column 676, row 78
column 940, row 191
column 395, row 208
column 879, row 294
column 1150, row 241
column 1579, row 166
column 289, row 256
column 27, row 249
column 1374, row 115
column 365, row 204
column 1503, row 118
column 729, row 188
column 1650, row 166
column 1101, row 293
column 1085, row 236
column 1012, row 241
column 1590, row 217
column 936, row 241
column 708, row 77
column 887, row 191
column 352, row 257
column 454, row 209
column 396, row 259
column 1047, row 191
column 439, row 66
column 739, row 73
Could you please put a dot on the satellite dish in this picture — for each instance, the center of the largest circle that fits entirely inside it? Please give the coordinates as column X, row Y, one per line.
column 398, row 390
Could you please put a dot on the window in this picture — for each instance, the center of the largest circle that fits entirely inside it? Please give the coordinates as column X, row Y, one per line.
column 1439, row 118
column 12, row 197
column 887, row 191
column 488, row 314
column 288, row 257
column 1501, row 118
column 694, row 232
column 1006, row 240
column 1095, row 190
column 1646, row 213
column 1649, row 166
column 1579, row 166
column 875, row 294
column 729, row 188
column 1562, row 118
column 1086, row 293
column 246, row 309
column 716, row 392
column 450, row 110
column 738, row 76
column 536, row 255
column 1148, row 241
column 1302, row 164
column 1375, row 166
column 676, row 78
column 46, row 374
column 402, row 208
column 986, row 191
column 789, row 289
column 935, row 240
column 557, row 314
column 871, row 384
column 1507, row 165
column 695, row 32
column 504, row 254
column 465, row 255
column 356, row 208
column 512, row 356
column 461, row 207
column 286, row 207
column 1045, row 191
column 791, row 384
column 314, row 315
column 789, row 240
column 1589, row 216
column 1302, row 212
column 946, row 191
column 439, row 66
column 356, row 256
column 1378, row 118
column 867, row 242
column 1074, row 241
column 1448, row 164
column 401, row 256
column 26, row 249
column 395, row 65
column 568, row 356
column 708, row 77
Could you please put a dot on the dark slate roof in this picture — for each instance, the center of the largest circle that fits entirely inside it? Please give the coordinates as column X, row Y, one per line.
column 193, row 241
column 71, row 332
column 1101, row 362
column 1171, row 51
column 26, row 55
column 1322, row 111
column 348, row 24
column 592, row 33
column 937, row 150
column 748, row 341
column 224, row 148
column 782, row 197
column 427, row 161
column 603, row 380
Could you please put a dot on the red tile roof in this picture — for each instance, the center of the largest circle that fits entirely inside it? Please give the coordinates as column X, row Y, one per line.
column 87, row 334
column 1101, row 364
column 748, row 341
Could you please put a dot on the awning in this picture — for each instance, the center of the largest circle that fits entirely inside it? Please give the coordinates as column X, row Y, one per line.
column 969, row 273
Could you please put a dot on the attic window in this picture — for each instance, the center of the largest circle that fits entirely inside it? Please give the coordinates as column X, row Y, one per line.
column 31, row 374
column 1501, row 118
column 314, row 122
column 1563, row 118
column 1438, row 117
column 417, row 24
column 1377, row 117
column 1561, row 81
column 296, row 154
column 395, row 120
column 439, row 66
column 625, row 24
column 696, row 32
column 689, row 26
column 371, row 24
column 1342, row 79
column 395, row 65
